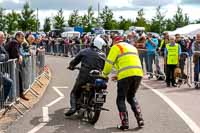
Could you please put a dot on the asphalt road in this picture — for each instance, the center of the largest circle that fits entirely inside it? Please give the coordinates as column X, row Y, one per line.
column 158, row 116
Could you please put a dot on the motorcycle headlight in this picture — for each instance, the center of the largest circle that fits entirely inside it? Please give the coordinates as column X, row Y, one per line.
column 100, row 84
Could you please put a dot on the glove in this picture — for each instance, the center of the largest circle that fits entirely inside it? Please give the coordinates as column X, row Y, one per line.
column 70, row 68
column 114, row 78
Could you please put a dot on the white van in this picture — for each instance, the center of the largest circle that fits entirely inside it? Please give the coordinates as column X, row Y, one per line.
column 71, row 34
column 137, row 29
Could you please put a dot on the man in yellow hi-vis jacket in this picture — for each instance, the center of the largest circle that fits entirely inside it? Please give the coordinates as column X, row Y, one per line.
column 126, row 61
column 172, row 53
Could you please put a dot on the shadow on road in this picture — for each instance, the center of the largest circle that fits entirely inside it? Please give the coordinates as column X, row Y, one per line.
column 72, row 124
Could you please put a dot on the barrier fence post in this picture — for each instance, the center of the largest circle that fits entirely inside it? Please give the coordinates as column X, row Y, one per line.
column 13, row 76
column 190, row 69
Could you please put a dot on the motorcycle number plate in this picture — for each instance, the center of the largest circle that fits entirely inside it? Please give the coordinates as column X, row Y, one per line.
column 100, row 98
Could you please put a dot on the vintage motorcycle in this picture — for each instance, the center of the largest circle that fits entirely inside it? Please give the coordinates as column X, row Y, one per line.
column 93, row 96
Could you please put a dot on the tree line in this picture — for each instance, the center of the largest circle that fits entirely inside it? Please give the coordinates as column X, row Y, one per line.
column 26, row 20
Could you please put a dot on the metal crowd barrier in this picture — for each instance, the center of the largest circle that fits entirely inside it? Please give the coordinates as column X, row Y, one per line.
column 40, row 60
column 192, row 80
column 157, row 64
column 31, row 67
column 62, row 49
column 8, row 82
column 185, row 74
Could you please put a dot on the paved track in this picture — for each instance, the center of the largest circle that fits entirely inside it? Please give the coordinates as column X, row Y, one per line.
column 159, row 117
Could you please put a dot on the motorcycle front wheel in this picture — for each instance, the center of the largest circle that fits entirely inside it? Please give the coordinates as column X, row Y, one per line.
column 93, row 115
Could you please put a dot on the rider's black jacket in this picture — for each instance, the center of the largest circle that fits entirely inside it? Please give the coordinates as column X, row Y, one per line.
column 90, row 59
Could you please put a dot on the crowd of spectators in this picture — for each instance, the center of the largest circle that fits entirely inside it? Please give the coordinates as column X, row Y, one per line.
column 149, row 46
column 19, row 47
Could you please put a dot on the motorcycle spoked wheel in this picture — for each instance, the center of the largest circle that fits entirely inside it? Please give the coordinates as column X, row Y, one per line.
column 80, row 114
column 93, row 115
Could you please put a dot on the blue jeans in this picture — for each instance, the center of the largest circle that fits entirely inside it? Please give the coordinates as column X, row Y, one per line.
column 150, row 59
column 61, row 48
column 55, row 48
column 48, row 48
column 143, row 57
column 197, row 70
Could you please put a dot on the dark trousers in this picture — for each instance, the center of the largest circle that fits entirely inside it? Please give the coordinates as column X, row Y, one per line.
column 61, row 48
column 126, row 89
column 69, row 49
column 75, row 94
column 7, row 85
column 21, row 79
column 170, row 74
column 182, row 64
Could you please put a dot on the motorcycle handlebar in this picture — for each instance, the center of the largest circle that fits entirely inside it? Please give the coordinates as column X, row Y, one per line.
column 99, row 76
column 92, row 75
column 73, row 68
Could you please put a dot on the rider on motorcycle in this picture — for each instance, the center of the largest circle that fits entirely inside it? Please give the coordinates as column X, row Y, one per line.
column 91, row 58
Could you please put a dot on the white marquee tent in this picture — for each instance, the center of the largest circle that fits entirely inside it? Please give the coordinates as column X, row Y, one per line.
column 189, row 30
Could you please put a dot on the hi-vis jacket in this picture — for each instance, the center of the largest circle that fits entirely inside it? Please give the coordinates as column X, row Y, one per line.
column 125, row 59
column 172, row 54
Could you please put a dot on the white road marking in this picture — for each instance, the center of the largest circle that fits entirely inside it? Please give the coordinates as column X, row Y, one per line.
column 37, row 128
column 45, row 114
column 63, row 87
column 55, row 101
column 45, row 110
column 59, row 93
column 193, row 126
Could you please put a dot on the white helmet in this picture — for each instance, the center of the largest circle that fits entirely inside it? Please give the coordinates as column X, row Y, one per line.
column 99, row 42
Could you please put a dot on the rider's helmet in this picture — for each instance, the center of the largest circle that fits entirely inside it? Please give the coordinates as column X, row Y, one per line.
column 99, row 42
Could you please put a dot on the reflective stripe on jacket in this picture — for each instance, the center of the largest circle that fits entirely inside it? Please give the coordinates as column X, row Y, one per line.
column 125, row 59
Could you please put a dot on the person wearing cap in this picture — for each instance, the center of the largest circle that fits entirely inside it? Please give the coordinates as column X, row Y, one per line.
column 132, row 38
column 124, row 57
column 151, row 45
column 163, row 43
column 141, row 47
column 129, row 38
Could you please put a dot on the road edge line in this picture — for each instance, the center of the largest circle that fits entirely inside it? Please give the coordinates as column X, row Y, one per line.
column 193, row 126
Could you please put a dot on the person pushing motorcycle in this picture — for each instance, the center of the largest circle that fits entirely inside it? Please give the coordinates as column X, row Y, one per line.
column 126, row 61
column 91, row 59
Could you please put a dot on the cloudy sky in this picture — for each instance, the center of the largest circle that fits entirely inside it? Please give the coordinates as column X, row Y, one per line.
column 125, row 8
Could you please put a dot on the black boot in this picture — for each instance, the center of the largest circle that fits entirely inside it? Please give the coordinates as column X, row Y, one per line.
column 72, row 110
column 124, row 121
column 138, row 114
